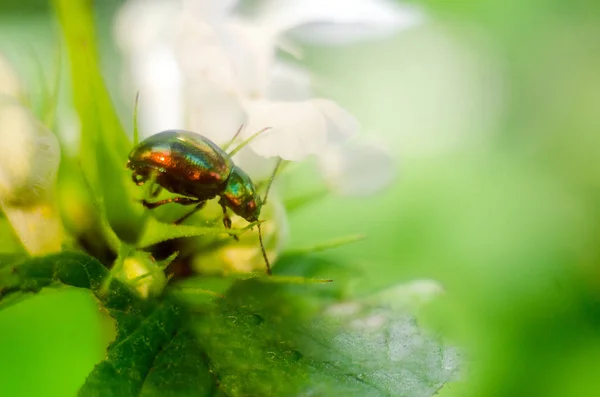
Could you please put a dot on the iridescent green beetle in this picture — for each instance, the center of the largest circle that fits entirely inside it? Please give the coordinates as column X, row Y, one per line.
column 190, row 165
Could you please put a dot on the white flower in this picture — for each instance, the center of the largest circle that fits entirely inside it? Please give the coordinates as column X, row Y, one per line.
column 29, row 162
column 357, row 168
column 299, row 128
column 144, row 34
column 28, row 169
column 338, row 22
column 288, row 82
column 144, row 273
column 211, row 70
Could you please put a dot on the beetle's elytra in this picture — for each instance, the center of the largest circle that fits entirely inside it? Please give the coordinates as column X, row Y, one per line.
column 189, row 164
column 195, row 168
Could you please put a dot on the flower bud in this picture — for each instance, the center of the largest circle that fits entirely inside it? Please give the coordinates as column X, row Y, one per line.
column 141, row 271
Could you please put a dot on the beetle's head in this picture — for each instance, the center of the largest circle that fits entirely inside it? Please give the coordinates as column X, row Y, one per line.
column 140, row 174
column 240, row 195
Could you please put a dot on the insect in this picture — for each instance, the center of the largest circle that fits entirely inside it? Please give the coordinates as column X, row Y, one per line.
column 195, row 168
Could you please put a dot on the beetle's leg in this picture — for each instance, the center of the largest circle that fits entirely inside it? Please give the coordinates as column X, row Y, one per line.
column 198, row 207
column 178, row 200
column 227, row 220
column 154, row 193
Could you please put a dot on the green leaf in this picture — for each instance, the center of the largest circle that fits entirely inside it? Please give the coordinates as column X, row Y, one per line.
column 156, row 356
column 153, row 353
column 199, row 290
column 10, row 242
column 156, row 232
column 13, row 299
column 180, row 370
column 11, row 259
column 376, row 352
column 70, row 268
column 245, row 337
column 104, row 143
column 273, row 339
column 133, row 353
column 326, row 245
column 99, row 119
column 317, row 267
column 261, row 338
column 82, row 213
column 136, row 131
column 7, row 261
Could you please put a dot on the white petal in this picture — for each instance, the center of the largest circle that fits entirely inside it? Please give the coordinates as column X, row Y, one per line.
column 27, row 173
column 209, row 10
column 201, row 53
column 251, row 47
column 258, row 167
column 28, row 167
column 288, row 82
column 297, row 129
column 236, row 54
column 213, row 111
column 338, row 21
column 142, row 24
column 144, row 31
column 349, row 33
column 357, row 168
column 38, row 227
column 289, row 46
column 157, row 78
column 341, row 124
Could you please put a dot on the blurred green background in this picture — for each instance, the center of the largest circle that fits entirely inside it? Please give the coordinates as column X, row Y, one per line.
column 492, row 109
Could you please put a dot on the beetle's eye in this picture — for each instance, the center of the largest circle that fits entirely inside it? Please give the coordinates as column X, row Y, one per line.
column 138, row 178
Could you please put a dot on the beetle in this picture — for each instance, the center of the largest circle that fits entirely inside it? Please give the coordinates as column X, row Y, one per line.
column 195, row 168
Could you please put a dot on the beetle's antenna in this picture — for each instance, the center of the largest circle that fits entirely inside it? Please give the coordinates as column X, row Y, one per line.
column 262, row 248
column 136, row 132
column 228, row 144
column 264, row 201
column 277, row 166
column 247, row 141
